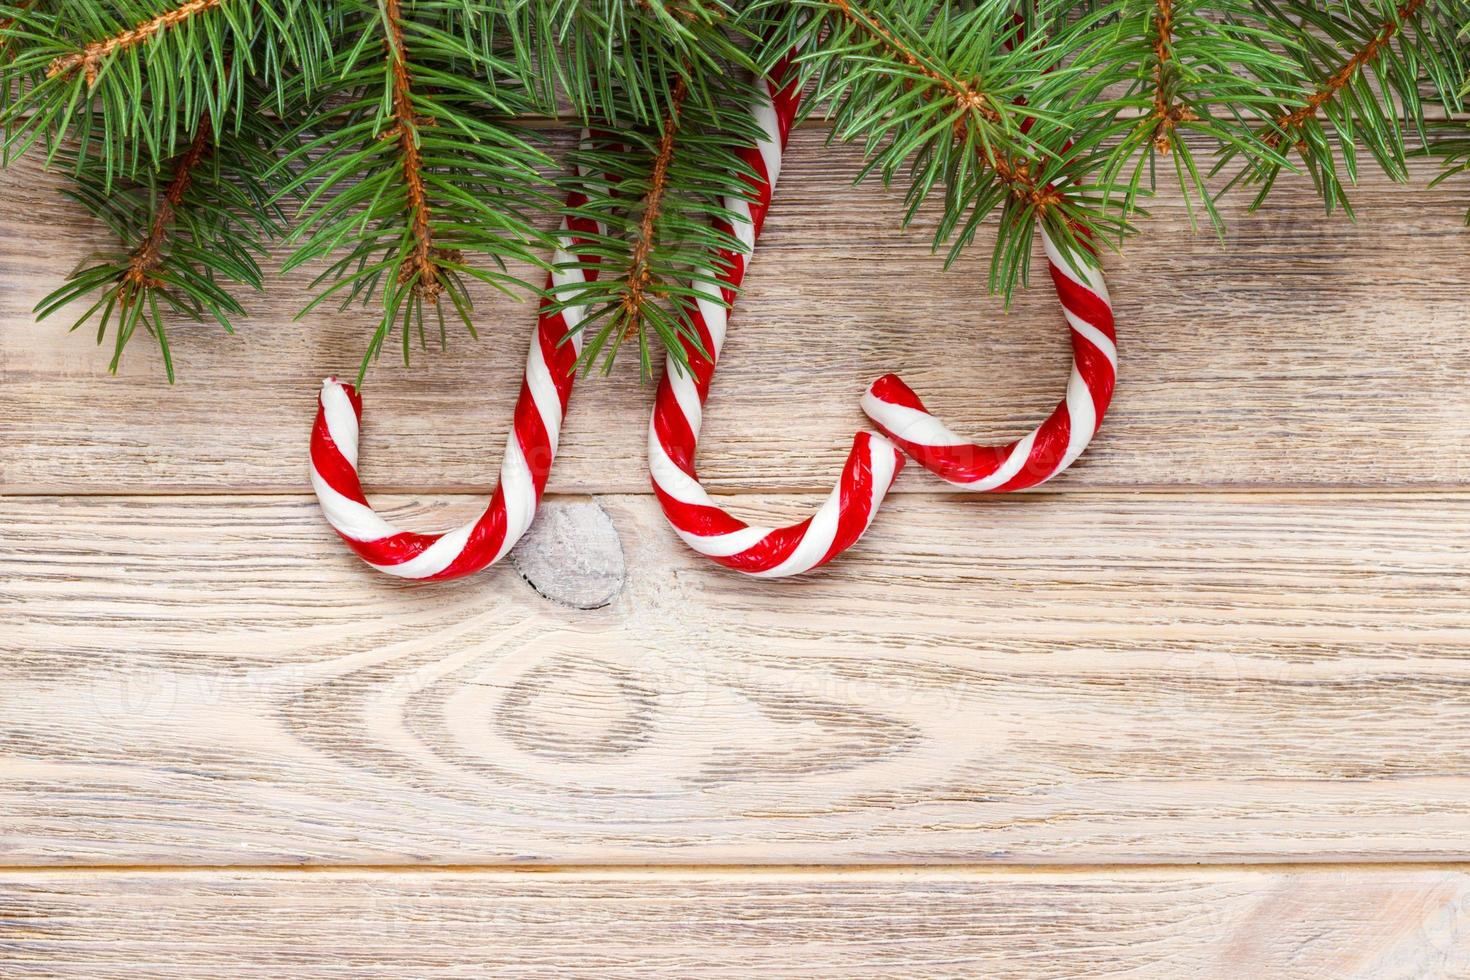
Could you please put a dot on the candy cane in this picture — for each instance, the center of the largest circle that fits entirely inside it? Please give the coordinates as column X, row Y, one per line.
column 529, row 451
column 1057, row 442
column 679, row 408
column 1053, row 445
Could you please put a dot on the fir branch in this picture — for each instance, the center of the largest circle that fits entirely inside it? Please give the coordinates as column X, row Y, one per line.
column 1167, row 112
column 90, row 58
column 965, row 98
column 664, row 185
column 1341, row 108
column 973, row 107
column 129, row 80
column 1334, row 83
column 1201, row 68
column 410, row 164
column 578, row 53
column 185, row 232
column 640, row 280
column 415, row 179
column 420, row 269
column 148, row 255
column 949, row 96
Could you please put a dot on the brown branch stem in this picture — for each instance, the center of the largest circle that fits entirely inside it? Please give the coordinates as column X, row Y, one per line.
column 90, row 58
column 1167, row 113
column 421, row 267
column 640, row 279
column 148, row 256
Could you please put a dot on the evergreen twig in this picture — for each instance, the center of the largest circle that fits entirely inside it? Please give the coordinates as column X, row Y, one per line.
column 1340, row 109
column 186, row 233
column 640, row 279
column 148, row 256
column 91, row 57
column 1334, row 83
column 410, row 165
column 1168, row 113
column 421, row 268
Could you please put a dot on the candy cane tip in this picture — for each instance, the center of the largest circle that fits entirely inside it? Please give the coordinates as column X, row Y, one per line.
column 876, row 445
column 330, row 385
column 891, row 390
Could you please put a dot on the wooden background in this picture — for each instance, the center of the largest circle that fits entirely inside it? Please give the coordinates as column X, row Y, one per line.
column 1200, row 707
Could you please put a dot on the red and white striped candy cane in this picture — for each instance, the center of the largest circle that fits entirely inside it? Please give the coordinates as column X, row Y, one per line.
column 679, row 408
column 529, row 450
column 1052, row 446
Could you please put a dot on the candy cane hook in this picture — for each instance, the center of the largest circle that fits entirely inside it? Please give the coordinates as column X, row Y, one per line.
column 1053, row 445
column 1057, row 442
column 529, row 451
column 679, row 407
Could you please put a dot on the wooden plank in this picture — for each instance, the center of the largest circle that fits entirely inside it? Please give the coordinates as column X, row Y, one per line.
column 1303, row 352
column 1196, row 923
column 1053, row 678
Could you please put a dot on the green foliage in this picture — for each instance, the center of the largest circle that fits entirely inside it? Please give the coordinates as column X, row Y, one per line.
column 393, row 144
column 968, row 102
column 188, row 230
column 1364, row 93
column 575, row 54
column 130, row 106
column 410, row 170
column 657, row 189
column 1205, row 75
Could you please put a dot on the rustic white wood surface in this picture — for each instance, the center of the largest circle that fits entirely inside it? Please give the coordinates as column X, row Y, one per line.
column 1049, row 678
column 1218, row 925
column 1236, row 637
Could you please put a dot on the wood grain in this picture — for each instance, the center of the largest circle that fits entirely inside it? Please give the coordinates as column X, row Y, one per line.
column 1302, row 352
column 1070, row 680
column 1401, row 923
column 1050, row 678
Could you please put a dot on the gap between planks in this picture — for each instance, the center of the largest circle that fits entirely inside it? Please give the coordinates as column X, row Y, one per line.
column 753, row 872
column 1325, row 492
